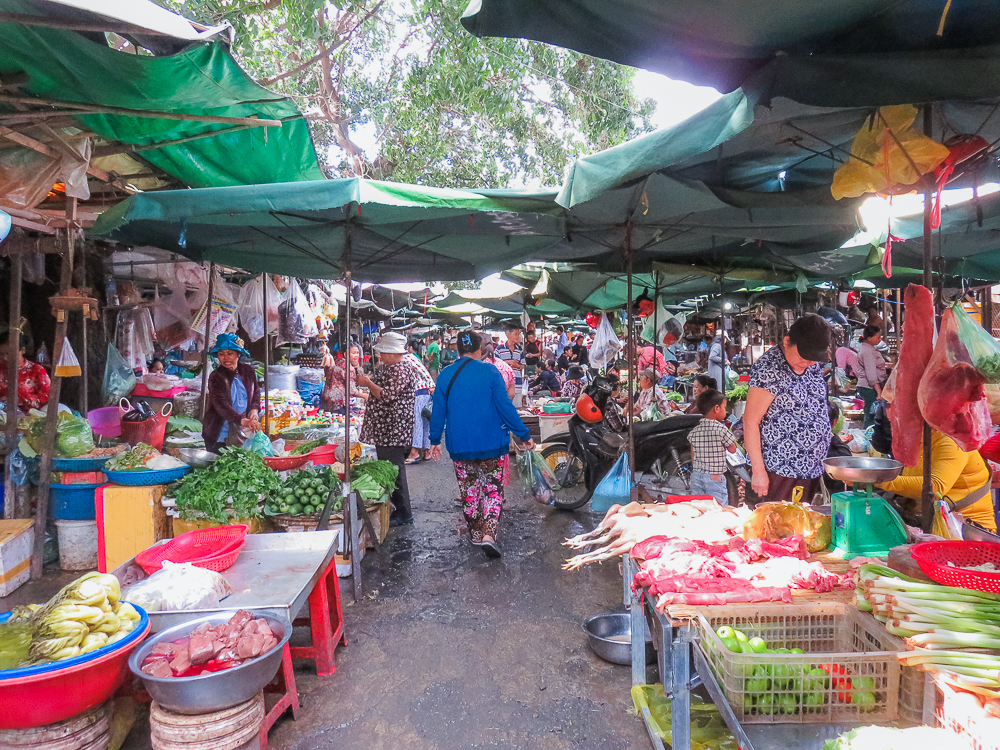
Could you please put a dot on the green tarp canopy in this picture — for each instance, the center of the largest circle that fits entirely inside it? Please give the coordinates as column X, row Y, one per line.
column 69, row 70
column 385, row 231
column 742, row 186
column 831, row 53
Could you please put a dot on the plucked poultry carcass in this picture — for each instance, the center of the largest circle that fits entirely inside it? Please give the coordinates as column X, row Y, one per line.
column 914, row 354
column 951, row 394
column 625, row 526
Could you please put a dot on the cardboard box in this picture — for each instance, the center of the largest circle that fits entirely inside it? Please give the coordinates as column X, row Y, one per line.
column 17, row 539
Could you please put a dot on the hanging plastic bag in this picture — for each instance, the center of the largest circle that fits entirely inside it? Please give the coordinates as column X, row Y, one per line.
column 68, row 365
column 294, row 322
column 615, row 488
column 260, row 444
column 891, row 149
column 947, row 523
column 119, row 380
column 251, row 307
column 669, row 326
column 983, row 348
column 538, row 477
column 951, row 394
column 606, row 344
column 172, row 318
column 223, row 312
column 73, row 436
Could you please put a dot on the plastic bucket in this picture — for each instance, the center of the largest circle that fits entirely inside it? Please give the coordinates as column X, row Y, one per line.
column 74, row 502
column 106, row 421
column 77, row 544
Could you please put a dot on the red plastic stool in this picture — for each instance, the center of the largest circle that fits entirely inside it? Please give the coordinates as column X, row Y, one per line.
column 283, row 684
column 326, row 623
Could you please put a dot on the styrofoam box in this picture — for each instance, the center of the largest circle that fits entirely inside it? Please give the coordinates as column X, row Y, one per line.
column 17, row 537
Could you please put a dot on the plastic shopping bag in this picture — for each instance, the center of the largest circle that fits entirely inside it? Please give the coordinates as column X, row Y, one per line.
column 606, row 344
column 251, row 307
column 260, row 444
column 68, row 365
column 119, row 380
column 178, row 586
column 294, row 321
column 983, row 348
column 538, row 477
column 73, row 436
column 615, row 488
column 650, row 413
column 951, row 394
column 947, row 523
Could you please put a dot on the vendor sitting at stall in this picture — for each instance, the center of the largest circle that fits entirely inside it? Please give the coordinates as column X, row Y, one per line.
column 32, row 380
column 701, row 384
column 233, row 396
column 572, row 387
column 546, row 383
column 650, row 393
column 959, row 476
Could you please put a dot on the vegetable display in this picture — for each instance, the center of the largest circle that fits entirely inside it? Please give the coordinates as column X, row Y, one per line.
column 739, row 393
column 779, row 688
column 142, row 458
column 230, row 487
column 304, row 493
column 675, row 396
column 305, row 448
column 948, row 627
column 372, row 479
column 84, row 616
column 891, row 738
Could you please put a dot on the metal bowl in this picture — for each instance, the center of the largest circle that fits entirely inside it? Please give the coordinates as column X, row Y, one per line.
column 610, row 637
column 197, row 458
column 862, row 469
column 212, row 691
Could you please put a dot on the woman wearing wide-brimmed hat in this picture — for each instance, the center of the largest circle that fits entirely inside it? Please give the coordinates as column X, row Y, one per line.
column 389, row 415
column 233, row 396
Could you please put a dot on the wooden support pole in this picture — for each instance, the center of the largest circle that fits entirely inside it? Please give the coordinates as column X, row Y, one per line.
column 630, row 353
column 13, row 348
column 267, row 361
column 927, row 495
column 208, row 339
column 52, row 408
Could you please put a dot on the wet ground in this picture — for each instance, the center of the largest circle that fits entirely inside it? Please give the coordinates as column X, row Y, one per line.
column 451, row 651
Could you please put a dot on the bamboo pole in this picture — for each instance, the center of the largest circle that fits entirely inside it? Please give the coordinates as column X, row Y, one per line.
column 87, row 109
column 630, row 353
column 52, row 408
column 267, row 362
column 13, row 349
column 927, row 495
column 208, row 339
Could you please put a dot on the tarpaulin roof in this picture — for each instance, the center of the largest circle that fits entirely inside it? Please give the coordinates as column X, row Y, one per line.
column 121, row 97
column 740, row 186
column 385, row 231
column 831, row 53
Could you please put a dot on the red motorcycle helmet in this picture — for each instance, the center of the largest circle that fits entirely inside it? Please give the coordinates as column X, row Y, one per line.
column 587, row 409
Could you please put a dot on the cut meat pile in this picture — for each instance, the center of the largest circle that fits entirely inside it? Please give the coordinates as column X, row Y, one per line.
column 914, row 354
column 678, row 571
column 212, row 649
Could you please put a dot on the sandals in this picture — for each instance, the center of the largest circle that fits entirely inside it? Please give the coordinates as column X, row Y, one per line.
column 411, row 461
column 491, row 549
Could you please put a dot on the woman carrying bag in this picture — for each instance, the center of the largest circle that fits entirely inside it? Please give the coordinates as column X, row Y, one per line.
column 471, row 402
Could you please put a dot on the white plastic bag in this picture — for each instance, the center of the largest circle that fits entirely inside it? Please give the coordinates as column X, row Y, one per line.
column 251, row 307
column 178, row 586
column 296, row 317
column 606, row 344
column 223, row 312
column 172, row 318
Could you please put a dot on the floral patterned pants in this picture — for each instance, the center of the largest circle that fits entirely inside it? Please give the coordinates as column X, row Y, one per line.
column 480, row 485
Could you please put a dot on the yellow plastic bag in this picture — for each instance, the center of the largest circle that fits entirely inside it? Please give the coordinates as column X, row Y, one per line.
column 885, row 153
column 774, row 521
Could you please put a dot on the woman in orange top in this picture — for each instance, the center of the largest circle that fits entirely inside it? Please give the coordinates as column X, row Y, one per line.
column 955, row 474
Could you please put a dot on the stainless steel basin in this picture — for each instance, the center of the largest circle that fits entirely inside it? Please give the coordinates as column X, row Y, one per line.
column 862, row 469
column 610, row 637
column 197, row 458
column 212, row 691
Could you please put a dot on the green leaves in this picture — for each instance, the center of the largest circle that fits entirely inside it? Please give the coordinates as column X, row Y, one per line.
column 235, row 482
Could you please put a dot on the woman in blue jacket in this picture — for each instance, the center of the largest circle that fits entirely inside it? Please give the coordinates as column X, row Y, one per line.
column 471, row 400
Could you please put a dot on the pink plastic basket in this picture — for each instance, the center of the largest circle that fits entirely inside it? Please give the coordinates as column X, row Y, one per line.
column 214, row 549
column 106, row 421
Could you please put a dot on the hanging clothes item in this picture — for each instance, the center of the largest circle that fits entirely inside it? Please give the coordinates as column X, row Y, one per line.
column 888, row 156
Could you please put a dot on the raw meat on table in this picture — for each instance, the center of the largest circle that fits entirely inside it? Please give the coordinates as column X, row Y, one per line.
column 708, row 591
column 914, row 354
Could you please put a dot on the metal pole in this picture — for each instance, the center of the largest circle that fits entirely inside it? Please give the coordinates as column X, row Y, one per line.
column 347, row 383
column 13, row 347
column 656, row 305
column 84, row 362
column 52, row 408
column 927, row 496
column 267, row 362
column 208, row 338
column 631, row 351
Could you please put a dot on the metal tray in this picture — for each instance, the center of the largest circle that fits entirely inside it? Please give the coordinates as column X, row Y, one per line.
column 862, row 469
column 274, row 572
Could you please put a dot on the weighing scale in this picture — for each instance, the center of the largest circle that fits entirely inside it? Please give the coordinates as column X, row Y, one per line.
column 863, row 523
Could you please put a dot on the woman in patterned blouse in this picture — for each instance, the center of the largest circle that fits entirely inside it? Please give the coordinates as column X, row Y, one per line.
column 32, row 380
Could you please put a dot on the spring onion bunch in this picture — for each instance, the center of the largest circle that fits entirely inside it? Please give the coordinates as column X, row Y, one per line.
column 954, row 631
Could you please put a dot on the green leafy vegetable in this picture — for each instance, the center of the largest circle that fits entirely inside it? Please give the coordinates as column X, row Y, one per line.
column 132, row 459
column 306, row 447
column 179, row 423
column 230, row 487
column 739, row 393
column 383, row 473
column 675, row 396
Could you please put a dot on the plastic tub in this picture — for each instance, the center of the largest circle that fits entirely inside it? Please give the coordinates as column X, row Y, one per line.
column 323, row 455
column 106, row 421
column 47, row 693
column 77, row 544
column 74, row 502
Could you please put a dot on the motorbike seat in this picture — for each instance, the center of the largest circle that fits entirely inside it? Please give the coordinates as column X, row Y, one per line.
column 669, row 424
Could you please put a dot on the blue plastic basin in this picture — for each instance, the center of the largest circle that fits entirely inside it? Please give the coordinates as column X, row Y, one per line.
column 73, row 502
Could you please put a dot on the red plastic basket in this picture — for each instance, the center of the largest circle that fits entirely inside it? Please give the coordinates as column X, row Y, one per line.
column 323, row 455
column 213, row 549
column 933, row 559
column 151, row 432
column 285, row 463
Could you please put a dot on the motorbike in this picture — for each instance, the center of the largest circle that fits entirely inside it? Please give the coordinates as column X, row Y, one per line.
column 588, row 449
